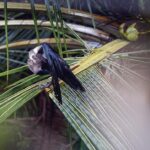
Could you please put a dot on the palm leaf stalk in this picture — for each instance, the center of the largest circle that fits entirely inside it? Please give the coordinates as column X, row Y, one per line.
column 42, row 8
column 104, row 21
column 68, row 26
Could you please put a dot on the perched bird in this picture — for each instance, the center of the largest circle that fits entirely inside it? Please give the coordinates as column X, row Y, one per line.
column 44, row 60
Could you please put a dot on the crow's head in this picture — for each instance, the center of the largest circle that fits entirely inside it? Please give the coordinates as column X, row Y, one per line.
column 33, row 53
column 35, row 59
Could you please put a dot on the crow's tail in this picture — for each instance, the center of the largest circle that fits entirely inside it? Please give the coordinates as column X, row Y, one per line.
column 57, row 90
column 69, row 78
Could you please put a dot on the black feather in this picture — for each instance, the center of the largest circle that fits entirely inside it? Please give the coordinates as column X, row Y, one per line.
column 57, row 90
column 62, row 69
column 53, row 72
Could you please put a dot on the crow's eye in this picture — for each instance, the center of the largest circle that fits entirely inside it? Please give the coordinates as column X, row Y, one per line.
column 40, row 51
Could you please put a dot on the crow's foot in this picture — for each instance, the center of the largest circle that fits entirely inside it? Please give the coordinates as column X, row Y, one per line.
column 43, row 86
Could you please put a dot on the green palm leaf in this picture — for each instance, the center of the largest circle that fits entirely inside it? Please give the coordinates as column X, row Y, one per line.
column 103, row 116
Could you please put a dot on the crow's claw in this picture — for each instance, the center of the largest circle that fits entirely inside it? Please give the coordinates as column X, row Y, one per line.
column 43, row 86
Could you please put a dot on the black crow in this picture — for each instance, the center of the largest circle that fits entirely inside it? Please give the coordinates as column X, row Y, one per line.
column 44, row 60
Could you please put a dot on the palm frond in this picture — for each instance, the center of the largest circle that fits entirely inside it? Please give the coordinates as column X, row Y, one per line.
column 104, row 116
column 71, row 108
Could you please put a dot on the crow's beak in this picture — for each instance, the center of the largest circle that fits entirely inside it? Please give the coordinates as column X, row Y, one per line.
column 36, row 49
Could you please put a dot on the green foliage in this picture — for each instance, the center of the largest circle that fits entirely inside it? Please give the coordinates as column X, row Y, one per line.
column 35, row 20
column 20, row 91
column 8, row 136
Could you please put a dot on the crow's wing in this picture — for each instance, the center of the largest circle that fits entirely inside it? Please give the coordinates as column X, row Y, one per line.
column 61, row 68
column 52, row 70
